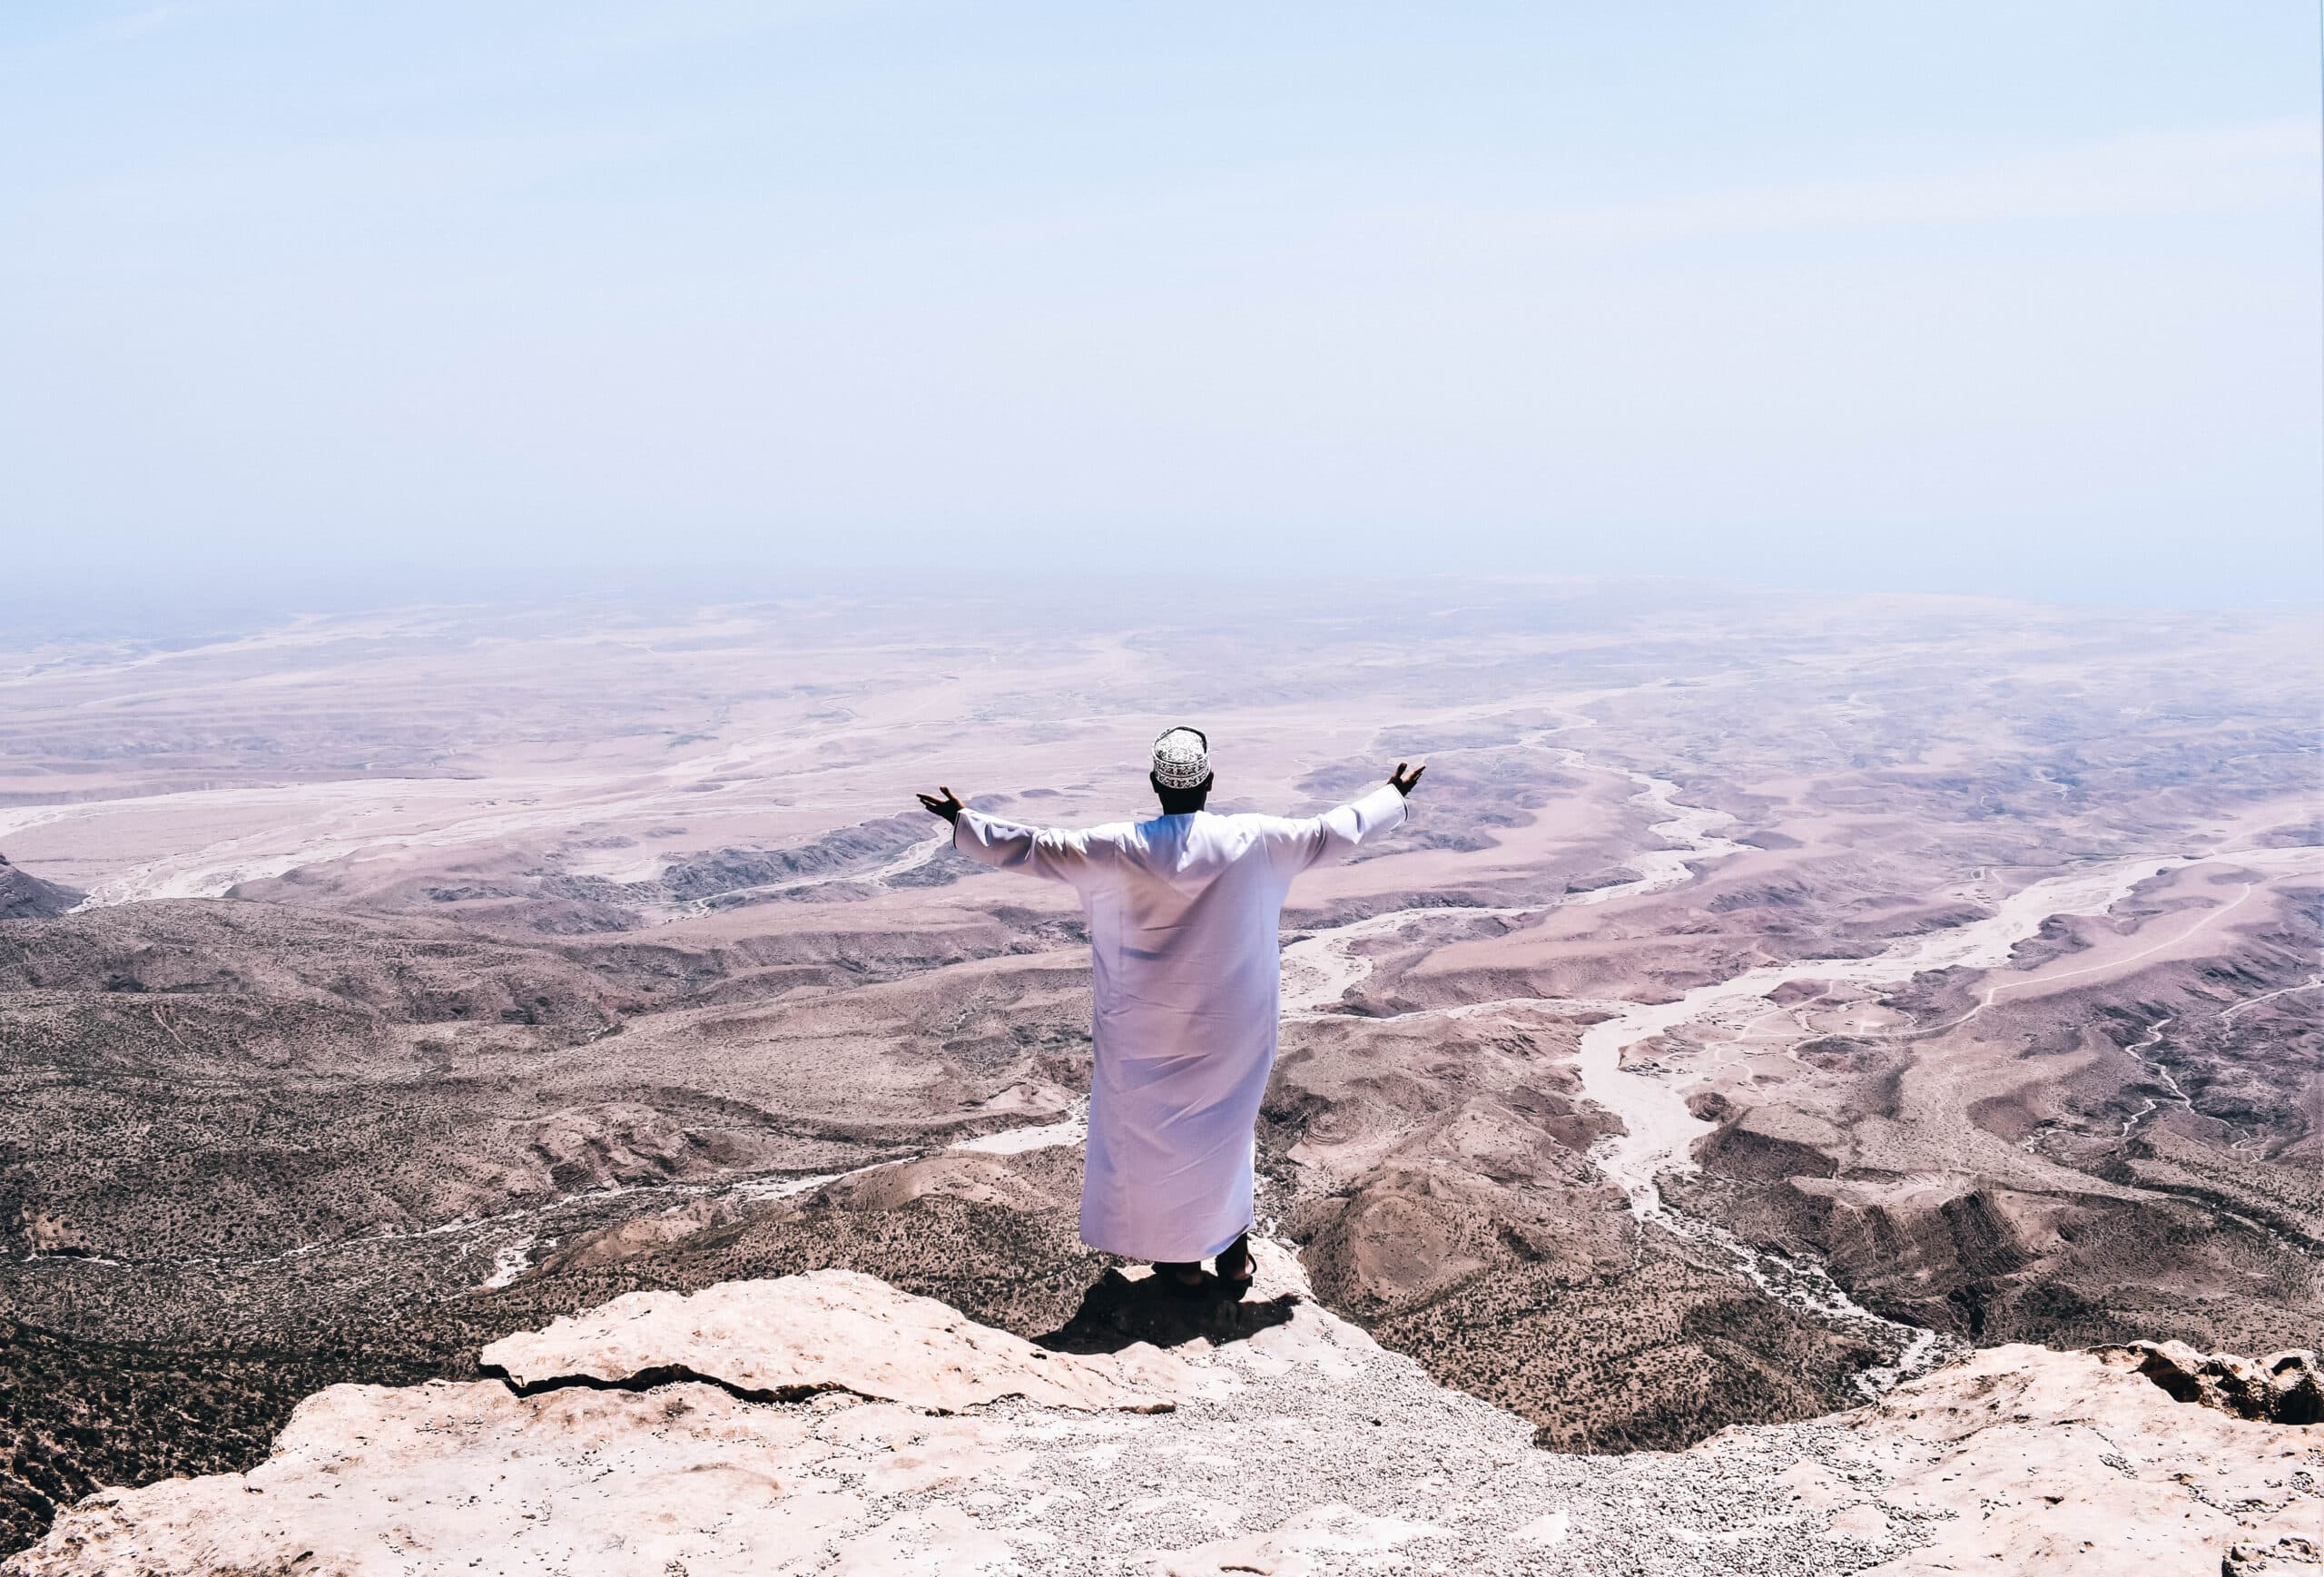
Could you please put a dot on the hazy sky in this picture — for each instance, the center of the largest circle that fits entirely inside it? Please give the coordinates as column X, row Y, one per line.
column 1998, row 297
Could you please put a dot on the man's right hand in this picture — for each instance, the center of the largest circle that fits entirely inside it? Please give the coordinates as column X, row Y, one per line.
column 1402, row 781
column 950, row 806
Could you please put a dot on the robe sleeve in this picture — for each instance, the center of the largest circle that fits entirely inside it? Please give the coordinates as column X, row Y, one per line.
column 1327, row 839
column 1056, row 853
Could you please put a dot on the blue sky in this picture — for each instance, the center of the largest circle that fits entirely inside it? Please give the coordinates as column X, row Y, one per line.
column 1988, row 298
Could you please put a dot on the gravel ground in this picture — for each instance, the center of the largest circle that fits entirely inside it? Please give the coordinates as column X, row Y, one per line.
column 1312, row 1450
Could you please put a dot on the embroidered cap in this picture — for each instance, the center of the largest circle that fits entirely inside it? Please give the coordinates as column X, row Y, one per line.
column 1182, row 758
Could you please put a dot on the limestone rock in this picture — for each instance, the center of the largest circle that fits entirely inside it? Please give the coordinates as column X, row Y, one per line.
column 828, row 1330
column 2042, row 1461
column 2286, row 1557
column 897, row 1437
column 2286, row 1387
column 452, row 1477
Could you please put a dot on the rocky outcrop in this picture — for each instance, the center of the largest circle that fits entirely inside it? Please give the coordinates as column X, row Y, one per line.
column 829, row 1423
column 23, row 896
column 832, row 1330
column 2022, row 1459
column 1771, row 1144
column 2285, row 1388
column 46, row 1234
column 2286, row 1556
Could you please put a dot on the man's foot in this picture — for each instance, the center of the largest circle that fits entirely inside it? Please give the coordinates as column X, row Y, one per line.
column 1188, row 1278
column 1235, row 1267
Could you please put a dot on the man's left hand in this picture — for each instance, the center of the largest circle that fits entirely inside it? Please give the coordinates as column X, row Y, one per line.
column 1403, row 781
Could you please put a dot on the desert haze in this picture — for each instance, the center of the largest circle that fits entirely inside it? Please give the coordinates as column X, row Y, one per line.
column 1774, row 1001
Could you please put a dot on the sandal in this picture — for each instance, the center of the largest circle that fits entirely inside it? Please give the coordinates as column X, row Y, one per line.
column 1236, row 1267
column 1187, row 1279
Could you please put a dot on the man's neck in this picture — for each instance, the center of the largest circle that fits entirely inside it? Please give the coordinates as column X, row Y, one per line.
column 1173, row 806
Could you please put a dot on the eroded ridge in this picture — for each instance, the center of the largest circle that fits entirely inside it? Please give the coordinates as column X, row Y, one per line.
column 1659, row 1125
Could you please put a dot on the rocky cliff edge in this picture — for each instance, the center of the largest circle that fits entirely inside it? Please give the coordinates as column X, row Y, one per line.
column 830, row 1423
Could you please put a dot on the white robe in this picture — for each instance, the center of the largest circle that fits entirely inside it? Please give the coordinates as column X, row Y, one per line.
column 1187, row 978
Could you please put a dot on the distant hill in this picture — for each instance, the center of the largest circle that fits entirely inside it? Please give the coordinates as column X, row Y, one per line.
column 23, row 896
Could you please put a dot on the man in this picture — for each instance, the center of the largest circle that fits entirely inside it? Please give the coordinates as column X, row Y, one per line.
column 1183, row 915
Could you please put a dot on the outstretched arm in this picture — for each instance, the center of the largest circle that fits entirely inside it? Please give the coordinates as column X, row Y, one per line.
column 1050, row 851
column 1337, row 833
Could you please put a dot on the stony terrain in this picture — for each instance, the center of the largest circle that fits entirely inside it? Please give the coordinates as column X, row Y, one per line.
column 828, row 1423
column 1770, row 999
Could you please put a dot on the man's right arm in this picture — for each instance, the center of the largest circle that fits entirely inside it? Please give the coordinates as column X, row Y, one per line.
column 1055, row 852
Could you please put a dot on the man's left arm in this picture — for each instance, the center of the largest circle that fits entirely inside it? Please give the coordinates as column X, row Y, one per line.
column 1337, row 833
